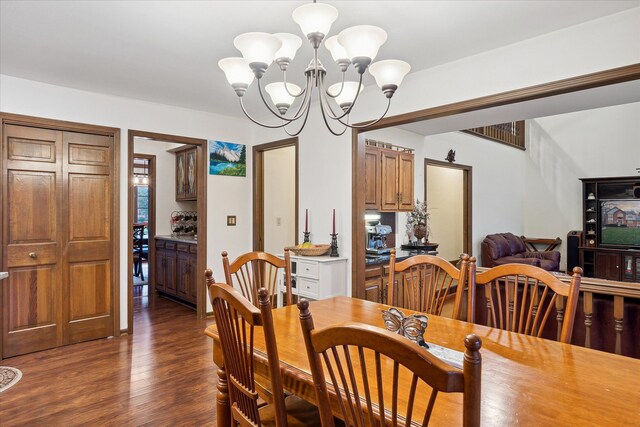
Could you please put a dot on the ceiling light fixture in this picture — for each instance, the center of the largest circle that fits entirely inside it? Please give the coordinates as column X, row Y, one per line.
column 357, row 45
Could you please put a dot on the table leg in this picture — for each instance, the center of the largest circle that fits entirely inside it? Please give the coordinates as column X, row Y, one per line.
column 223, row 411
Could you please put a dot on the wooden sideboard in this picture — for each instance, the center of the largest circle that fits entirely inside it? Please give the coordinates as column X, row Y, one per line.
column 176, row 267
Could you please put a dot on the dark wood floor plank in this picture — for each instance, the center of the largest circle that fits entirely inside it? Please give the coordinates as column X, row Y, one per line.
column 162, row 375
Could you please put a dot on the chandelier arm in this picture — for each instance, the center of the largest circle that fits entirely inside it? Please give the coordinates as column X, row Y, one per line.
column 284, row 79
column 244, row 110
column 348, row 111
column 326, row 107
column 372, row 122
column 305, row 101
column 304, row 122
column 266, row 104
column 341, row 88
column 324, row 117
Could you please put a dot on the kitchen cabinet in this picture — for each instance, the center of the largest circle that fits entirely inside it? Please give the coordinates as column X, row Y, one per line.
column 376, row 283
column 176, row 273
column 316, row 277
column 186, row 174
column 372, row 178
column 388, row 179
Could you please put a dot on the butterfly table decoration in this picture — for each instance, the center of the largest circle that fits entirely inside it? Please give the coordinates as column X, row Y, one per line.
column 412, row 327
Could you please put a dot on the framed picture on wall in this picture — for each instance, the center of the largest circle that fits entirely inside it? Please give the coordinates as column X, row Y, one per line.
column 227, row 158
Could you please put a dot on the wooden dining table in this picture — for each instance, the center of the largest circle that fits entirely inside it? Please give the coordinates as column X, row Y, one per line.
column 526, row 380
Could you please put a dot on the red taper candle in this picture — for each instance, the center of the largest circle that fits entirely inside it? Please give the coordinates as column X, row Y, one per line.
column 306, row 221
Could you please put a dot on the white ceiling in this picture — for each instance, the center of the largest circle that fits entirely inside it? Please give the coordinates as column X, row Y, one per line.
column 167, row 51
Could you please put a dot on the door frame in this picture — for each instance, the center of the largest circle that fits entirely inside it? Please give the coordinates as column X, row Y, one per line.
column 202, row 146
column 258, row 188
column 573, row 84
column 62, row 125
column 467, row 198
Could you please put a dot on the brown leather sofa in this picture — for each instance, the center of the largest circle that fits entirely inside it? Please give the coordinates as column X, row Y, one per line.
column 505, row 248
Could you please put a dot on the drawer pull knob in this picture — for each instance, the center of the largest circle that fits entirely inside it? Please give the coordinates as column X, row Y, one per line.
column 33, row 255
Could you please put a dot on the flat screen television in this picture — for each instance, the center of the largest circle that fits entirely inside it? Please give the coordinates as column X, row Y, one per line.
column 620, row 222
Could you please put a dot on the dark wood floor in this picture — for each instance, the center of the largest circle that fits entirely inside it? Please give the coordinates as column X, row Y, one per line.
column 162, row 375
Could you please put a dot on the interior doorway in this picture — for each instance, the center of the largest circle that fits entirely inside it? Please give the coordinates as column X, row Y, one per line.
column 275, row 195
column 144, row 223
column 180, row 271
column 447, row 191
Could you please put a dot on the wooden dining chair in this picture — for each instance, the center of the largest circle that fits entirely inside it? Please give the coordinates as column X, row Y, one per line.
column 426, row 283
column 372, row 371
column 140, row 250
column 236, row 321
column 521, row 298
column 255, row 270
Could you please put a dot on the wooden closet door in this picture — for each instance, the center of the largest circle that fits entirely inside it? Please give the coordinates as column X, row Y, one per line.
column 31, row 295
column 87, row 199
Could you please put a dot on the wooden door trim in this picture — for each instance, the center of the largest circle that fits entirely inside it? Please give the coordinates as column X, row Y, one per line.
column 559, row 87
column 258, row 187
column 62, row 125
column 202, row 147
column 467, row 204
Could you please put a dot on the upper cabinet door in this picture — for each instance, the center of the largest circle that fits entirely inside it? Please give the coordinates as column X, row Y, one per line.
column 187, row 174
column 372, row 178
column 405, row 182
column 191, row 192
column 181, row 168
column 389, row 184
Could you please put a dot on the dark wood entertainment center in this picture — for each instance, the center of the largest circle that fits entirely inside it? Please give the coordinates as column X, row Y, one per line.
column 601, row 255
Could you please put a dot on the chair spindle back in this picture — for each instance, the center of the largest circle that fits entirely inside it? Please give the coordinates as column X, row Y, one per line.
column 255, row 270
column 425, row 282
column 236, row 319
column 520, row 298
column 364, row 366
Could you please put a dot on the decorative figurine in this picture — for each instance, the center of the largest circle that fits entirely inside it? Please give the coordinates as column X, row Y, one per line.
column 451, row 156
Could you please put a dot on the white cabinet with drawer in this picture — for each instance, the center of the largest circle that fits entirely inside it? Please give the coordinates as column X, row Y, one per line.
column 316, row 277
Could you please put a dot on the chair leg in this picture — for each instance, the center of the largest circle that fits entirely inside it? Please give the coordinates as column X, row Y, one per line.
column 136, row 268
column 141, row 271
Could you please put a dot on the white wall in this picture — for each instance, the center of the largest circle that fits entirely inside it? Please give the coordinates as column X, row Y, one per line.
column 325, row 174
column 225, row 195
column 279, row 199
column 560, row 150
column 165, row 196
column 325, row 160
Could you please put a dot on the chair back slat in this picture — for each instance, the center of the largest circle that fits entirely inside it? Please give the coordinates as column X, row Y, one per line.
column 357, row 357
column 521, row 298
column 255, row 270
column 236, row 320
column 425, row 283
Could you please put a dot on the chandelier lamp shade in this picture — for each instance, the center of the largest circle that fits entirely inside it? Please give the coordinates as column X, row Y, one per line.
column 357, row 46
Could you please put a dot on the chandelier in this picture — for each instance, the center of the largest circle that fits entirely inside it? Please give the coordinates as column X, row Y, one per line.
column 356, row 45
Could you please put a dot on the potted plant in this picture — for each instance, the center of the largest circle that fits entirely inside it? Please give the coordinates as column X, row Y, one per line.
column 418, row 221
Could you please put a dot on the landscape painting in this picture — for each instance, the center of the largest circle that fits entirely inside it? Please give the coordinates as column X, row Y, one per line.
column 227, row 158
